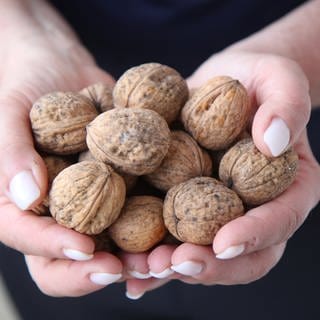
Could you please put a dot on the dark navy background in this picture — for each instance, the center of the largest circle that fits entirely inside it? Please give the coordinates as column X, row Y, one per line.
column 181, row 34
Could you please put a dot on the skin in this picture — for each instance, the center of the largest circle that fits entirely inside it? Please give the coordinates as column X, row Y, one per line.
column 39, row 55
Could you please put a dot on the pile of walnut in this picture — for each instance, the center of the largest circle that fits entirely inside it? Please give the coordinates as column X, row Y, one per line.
column 130, row 163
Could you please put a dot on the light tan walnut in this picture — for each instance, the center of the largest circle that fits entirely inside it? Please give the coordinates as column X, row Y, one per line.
column 140, row 225
column 184, row 160
column 195, row 210
column 255, row 177
column 134, row 140
column 217, row 112
column 152, row 86
column 59, row 120
column 87, row 197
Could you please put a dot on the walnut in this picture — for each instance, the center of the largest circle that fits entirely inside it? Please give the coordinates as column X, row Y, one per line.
column 87, row 197
column 217, row 112
column 195, row 210
column 103, row 242
column 184, row 160
column 59, row 120
column 152, row 86
column 140, row 225
column 54, row 164
column 134, row 140
column 255, row 177
column 101, row 96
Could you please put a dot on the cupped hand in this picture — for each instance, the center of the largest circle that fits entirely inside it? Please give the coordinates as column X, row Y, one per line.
column 248, row 247
column 61, row 261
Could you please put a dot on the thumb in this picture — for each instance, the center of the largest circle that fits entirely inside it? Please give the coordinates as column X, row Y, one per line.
column 23, row 174
column 283, row 113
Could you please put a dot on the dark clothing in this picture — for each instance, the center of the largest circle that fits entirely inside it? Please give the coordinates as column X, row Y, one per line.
column 181, row 34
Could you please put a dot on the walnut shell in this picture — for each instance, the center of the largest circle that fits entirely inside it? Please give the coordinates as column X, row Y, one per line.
column 140, row 225
column 59, row 120
column 54, row 164
column 195, row 210
column 255, row 177
column 184, row 160
column 87, row 196
column 101, row 96
column 152, row 86
column 135, row 140
column 217, row 112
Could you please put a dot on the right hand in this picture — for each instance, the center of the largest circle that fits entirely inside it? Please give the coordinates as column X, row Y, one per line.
column 32, row 65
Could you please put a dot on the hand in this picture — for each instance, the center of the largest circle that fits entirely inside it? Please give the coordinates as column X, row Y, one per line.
column 61, row 261
column 247, row 248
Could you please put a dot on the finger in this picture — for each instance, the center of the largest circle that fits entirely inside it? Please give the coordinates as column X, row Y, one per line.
column 284, row 106
column 135, row 265
column 240, row 270
column 35, row 235
column 74, row 278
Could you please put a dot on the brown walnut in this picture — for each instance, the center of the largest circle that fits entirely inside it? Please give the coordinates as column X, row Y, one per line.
column 217, row 112
column 135, row 140
column 255, row 177
column 195, row 210
column 184, row 160
column 140, row 225
column 87, row 196
column 59, row 120
column 152, row 86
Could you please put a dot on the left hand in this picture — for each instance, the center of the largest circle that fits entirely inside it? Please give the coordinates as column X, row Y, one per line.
column 248, row 247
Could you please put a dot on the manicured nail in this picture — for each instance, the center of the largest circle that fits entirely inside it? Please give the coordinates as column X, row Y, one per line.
column 104, row 279
column 134, row 296
column 139, row 275
column 23, row 190
column 76, row 254
column 231, row 252
column 277, row 136
column 188, row 268
column 161, row 275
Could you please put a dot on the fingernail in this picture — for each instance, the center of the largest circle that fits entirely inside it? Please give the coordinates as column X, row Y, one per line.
column 188, row 268
column 134, row 296
column 104, row 279
column 231, row 252
column 277, row 136
column 161, row 275
column 139, row 275
column 23, row 190
column 76, row 254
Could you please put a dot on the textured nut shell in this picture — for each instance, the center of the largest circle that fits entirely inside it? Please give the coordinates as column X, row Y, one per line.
column 87, row 197
column 255, row 177
column 217, row 112
column 184, row 160
column 140, row 225
column 101, row 96
column 135, row 141
column 55, row 165
column 59, row 122
column 195, row 210
column 152, row 86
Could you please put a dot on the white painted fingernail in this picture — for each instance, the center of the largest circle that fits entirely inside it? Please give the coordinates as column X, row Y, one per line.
column 76, row 254
column 134, row 296
column 139, row 275
column 23, row 190
column 231, row 252
column 277, row 136
column 104, row 279
column 188, row 268
column 161, row 275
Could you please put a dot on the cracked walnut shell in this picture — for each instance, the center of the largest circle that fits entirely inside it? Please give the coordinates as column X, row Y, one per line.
column 152, row 86
column 217, row 112
column 87, row 197
column 255, row 177
column 195, row 210
column 134, row 141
